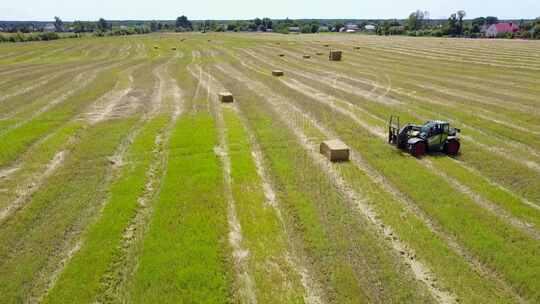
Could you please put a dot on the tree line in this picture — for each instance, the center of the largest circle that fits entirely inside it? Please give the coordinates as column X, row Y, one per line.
column 419, row 24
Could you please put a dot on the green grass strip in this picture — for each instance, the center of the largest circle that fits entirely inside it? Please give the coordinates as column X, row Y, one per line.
column 185, row 256
column 262, row 232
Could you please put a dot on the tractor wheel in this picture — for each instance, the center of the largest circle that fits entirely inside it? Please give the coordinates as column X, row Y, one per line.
column 418, row 149
column 452, row 147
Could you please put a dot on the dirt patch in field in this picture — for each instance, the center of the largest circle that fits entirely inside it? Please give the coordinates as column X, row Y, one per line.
column 6, row 172
column 116, row 103
column 35, row 182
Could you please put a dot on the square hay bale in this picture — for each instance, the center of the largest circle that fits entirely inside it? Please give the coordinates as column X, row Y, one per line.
column 156, row 47
column 335, row 150
column 173, row 49
column 226, row 97
column 306, row 56
column 335, row 55
column 326, row 45
column 320, row 53
column 356, row 47
column 277, row 73
column 281, row 55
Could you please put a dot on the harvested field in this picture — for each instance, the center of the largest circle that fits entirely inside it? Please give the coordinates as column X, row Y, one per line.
column 144, row 170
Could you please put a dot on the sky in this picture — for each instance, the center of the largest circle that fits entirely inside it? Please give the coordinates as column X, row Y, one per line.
column 69, row 10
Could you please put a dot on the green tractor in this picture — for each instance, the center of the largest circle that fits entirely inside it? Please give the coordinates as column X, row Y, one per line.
column 433, row 136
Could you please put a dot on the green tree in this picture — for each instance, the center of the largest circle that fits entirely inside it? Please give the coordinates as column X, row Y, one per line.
column 451, row 27
column 491, row 20
column 153, row 26
column 415, row 21
column 460, row 14
column 267, row 23
column 183, row 24
column 102, row 25
column 58, row 24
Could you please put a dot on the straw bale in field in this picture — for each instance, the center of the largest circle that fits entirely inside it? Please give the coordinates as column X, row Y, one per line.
column 226, row 97
column 335, row 150
column 335, row 55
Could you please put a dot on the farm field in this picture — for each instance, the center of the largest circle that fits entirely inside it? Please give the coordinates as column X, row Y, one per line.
column 124, row 179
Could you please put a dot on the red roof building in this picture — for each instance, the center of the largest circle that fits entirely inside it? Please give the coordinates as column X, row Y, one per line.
column 501, row 28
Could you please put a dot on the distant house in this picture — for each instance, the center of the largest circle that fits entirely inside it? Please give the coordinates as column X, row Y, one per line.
column 294, row 29
column 49, row 28
column 501, row 28
column 351, row 28
column 370, row 28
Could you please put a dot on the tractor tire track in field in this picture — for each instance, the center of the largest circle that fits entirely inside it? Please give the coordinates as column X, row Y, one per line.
column 420, row 271
column 503, row 153
column 114, row 284
column 313, row 292
column 403, row 199
column 400, row 91
column 481, row 201
column 494, row 184
column 115, row 104
column 246, row 288
column 527, row 228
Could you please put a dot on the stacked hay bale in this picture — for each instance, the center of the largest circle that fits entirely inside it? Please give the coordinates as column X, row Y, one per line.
column 226, row 97
column 277, row 73
column 335, row 150
column 335, row 55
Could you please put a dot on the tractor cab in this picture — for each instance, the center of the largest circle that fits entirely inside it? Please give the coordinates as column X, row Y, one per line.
column 433, row 136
